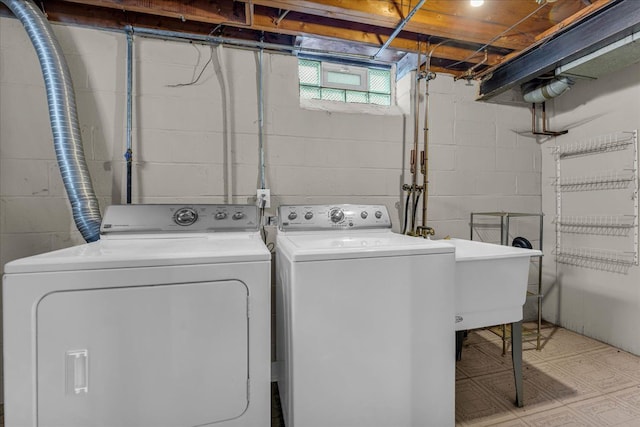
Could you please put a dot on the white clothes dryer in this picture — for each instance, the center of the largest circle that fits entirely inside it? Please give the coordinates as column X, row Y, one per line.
column 165, row 321
column 365, row 321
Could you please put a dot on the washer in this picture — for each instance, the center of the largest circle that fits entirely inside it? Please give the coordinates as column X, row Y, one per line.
column 165, row 321
column 365, row 321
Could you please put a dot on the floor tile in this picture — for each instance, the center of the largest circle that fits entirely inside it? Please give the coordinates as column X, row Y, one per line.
column 476, row 362
column 559, row 384
column 607, row 411
column 476, row 407
column 563, row 416
column 502, row 385
column 599, row 375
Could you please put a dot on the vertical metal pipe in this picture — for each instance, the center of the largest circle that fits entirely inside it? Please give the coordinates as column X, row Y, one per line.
column 414, row 152
column 425, row 157
column 129, row 153
column 261, row 120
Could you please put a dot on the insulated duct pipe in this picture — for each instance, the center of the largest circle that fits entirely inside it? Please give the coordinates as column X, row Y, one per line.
column 63, row 116
column 555, row 87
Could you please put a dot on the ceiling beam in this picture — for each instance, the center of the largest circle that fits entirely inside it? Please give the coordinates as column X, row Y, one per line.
column 209, row 11
column 609, row 24
column 427, row 21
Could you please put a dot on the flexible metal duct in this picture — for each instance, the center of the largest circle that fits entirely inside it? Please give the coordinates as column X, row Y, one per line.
column 64, row 118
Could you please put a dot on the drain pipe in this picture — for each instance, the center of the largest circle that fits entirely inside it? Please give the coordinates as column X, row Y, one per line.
column 64, row 118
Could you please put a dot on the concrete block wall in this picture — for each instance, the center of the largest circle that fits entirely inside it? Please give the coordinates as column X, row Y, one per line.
column 600, row 304
column 480, row 159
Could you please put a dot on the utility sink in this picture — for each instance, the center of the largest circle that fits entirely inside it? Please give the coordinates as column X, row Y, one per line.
column 490, row 283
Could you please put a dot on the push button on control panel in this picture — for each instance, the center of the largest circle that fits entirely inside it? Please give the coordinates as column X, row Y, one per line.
column 308, row 215
column 292, row 216
column 221, row 215
column 238, row 215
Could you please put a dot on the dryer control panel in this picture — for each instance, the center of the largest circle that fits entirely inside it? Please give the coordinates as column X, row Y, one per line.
column 336, row 217
column 170, row 218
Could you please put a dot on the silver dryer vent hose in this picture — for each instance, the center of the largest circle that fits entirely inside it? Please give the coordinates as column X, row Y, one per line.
column 64, row 118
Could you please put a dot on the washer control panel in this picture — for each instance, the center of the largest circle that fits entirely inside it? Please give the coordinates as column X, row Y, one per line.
column 199, row 218
column 337, row 217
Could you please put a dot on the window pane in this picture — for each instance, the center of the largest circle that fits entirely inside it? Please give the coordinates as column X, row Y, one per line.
column 380, row 81
column 361, row 97
column 309, row 92
column 333, row 94
column 309, row 72
column 343, row 78
column 375, row 98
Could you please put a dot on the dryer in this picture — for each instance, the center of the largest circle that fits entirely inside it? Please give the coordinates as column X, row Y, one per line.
column 165, row 321
column 365, row 321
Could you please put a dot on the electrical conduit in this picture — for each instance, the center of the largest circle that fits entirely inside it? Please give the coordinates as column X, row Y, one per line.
column 63, row 116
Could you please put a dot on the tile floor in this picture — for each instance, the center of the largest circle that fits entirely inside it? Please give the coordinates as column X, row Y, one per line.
column 572, row 381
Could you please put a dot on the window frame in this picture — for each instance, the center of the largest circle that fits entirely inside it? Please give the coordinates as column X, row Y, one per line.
column 326, row 66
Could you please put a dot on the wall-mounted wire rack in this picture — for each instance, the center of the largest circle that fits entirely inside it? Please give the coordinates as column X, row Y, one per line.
column 599, row 144
column 603, row 181
column 620, row 225
column 608, row 225
column 599, row 259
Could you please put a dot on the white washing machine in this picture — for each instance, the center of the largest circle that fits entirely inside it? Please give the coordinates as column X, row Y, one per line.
column 165, row 321
column 365, row 321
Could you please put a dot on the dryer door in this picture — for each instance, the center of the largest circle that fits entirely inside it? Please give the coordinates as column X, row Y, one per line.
column 169, row 355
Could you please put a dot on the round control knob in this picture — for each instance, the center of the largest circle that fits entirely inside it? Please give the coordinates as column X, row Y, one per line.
column 221, row 215
column 364, row 214
column 292, row 216
column 308, row 215
column 238, row 215
column 336, row 215
column 185, row 216
column 378, row 214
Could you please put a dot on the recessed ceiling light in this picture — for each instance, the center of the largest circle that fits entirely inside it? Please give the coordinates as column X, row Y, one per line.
column 476, row 3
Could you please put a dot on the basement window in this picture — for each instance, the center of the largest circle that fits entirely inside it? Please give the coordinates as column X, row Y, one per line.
column 344, row 83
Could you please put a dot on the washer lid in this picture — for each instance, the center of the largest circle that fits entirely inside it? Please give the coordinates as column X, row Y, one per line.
column 148, row 252
column 331, row 245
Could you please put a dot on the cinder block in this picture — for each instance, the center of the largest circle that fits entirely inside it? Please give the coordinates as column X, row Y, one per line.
column 178, row 146
column 452, row 183
column 495, row 183
column 83, row 41
column 19, row 66
column 36, row 214
column 442, row 157
column 471, row 132
column 475, row 159
column 529, row 183
column 25, row 131
column 172, row 180
column 177, row 113
column 474, row 111
column 514, row 160
column 19, row 177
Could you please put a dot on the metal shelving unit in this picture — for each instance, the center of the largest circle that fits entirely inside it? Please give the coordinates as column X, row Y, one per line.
column 505, row 226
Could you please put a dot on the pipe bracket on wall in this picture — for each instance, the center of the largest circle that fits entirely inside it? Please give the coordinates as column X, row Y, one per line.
column 534, row 120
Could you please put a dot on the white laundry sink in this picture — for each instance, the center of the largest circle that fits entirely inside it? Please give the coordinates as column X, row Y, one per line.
column 490, row 284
